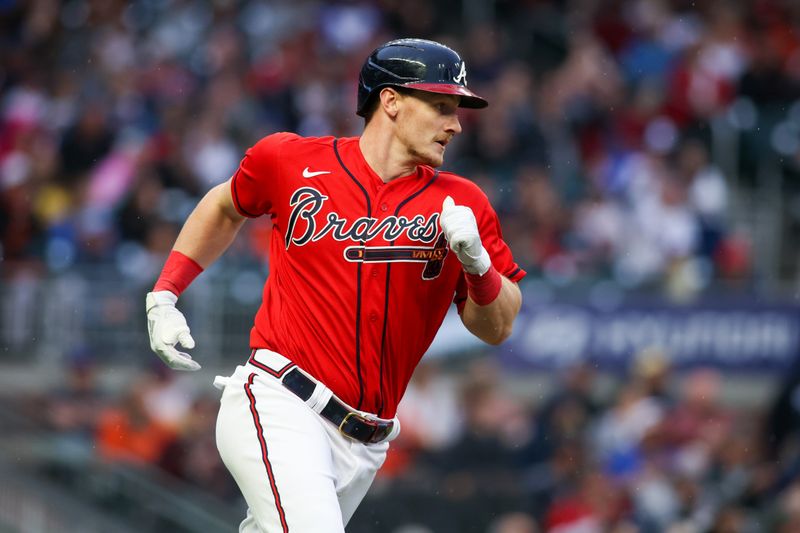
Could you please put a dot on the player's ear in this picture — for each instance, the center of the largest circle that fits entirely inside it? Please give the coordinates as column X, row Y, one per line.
column 390, row 101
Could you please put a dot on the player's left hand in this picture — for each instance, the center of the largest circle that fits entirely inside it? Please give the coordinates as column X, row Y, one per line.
column 461, row 231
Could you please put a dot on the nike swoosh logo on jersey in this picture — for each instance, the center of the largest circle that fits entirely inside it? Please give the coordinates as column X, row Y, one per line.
column 308, row 174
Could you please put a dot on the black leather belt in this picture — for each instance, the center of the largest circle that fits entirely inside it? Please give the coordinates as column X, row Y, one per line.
column 350, row 423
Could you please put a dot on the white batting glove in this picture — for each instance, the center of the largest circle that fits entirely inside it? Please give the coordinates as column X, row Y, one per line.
column 461, row 231
column 167, row 327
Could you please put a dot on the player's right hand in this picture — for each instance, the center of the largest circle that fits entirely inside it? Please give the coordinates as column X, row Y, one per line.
column 167, row 327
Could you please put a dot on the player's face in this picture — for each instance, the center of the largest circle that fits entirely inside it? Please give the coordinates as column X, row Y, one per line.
column 428, row 122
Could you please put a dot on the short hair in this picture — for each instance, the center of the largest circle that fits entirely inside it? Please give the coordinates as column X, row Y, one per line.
column 374, row 100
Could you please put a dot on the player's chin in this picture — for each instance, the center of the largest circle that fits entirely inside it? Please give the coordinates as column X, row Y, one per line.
column 433, row 158
column 435, row 162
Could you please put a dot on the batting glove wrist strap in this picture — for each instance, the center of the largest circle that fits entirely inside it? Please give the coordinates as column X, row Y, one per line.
column 477, row 266
column 461, row 231
column 167, row 328
column 156, row 298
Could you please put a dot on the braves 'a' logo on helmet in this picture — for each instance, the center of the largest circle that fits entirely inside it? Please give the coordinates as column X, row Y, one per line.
column 462, row 74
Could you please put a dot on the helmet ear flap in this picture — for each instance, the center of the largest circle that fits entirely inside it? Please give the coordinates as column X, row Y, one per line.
column 414, row 64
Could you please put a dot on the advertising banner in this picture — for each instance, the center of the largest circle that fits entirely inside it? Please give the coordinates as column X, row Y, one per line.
column 746, row 337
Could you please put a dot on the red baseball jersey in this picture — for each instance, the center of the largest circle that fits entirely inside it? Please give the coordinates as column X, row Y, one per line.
column 360, row 274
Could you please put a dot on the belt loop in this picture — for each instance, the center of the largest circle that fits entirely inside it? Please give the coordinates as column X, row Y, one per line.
column 319, row 398
column 395, row 430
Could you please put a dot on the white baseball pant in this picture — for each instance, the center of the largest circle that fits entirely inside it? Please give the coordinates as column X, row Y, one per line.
column 295, row 470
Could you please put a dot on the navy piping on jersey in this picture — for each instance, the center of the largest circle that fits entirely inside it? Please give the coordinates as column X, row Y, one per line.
column 264, row 455
column 358, row 276
column 236, row 197
column 386, row 291
column 514, row 273
column 278, row 374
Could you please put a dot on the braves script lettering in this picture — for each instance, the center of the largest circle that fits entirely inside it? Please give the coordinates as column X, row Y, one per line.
column 304, row 226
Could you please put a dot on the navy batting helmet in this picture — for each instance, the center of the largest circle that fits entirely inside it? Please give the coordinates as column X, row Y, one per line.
column 416, row 64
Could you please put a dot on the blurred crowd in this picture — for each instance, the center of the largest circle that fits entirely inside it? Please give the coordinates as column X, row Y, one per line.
column 601, row 148
column 656, row 451
column 617, row 137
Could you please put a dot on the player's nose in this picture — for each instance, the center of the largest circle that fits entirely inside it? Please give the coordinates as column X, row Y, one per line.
column 453, row 125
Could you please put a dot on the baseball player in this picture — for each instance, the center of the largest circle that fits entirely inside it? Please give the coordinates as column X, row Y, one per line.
column 371, row 245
